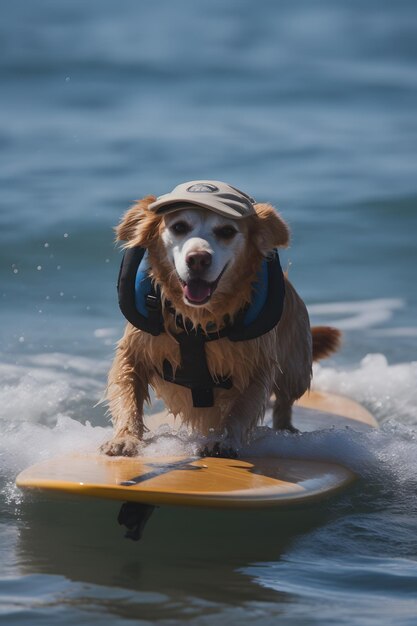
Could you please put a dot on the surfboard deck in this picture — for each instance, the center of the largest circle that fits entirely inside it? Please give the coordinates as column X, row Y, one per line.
column 208, row 482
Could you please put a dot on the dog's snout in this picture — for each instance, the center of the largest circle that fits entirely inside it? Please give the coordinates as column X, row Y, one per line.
column 198, row 261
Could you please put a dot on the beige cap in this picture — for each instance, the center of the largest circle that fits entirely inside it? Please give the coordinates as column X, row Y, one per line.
column 210, row 194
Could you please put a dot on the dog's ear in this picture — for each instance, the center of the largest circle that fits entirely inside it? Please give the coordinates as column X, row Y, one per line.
column 271, row 230
column 138, row 225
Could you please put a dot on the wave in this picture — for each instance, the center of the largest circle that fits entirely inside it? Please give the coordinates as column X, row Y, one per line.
column 388, row 391
column 45, row 401
column 358, row 314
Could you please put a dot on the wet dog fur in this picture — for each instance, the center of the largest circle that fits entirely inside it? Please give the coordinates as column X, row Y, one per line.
column 278, row 362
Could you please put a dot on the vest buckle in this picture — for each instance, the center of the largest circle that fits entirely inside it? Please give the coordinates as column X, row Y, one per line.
column 153, row 303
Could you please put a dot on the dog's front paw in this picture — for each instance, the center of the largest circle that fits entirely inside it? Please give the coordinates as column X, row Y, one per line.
column 126, row 445
column 289, row 428
column 292, row 429
column 221, row 449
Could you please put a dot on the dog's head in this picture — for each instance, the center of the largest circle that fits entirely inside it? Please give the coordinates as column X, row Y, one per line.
column 203, row 262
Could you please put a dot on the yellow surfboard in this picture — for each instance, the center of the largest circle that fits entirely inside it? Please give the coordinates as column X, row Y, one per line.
column 208, row 482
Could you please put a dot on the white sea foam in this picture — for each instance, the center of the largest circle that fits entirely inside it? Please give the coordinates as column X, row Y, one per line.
column 357, row 315
column 44, row 402
column 104, row 333
column 25, row 443
column 40, row 387
column 45, row 385
column 107, row 335
column 389, row 391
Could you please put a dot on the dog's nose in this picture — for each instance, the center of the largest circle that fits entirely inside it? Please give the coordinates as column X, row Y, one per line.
column 198, row 261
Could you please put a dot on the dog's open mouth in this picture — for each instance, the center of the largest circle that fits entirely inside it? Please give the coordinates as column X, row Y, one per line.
column 198, row 291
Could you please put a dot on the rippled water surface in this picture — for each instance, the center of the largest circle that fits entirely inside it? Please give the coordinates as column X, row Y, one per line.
column 308, row 105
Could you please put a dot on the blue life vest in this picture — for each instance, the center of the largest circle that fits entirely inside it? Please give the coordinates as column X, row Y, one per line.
column 140, row 303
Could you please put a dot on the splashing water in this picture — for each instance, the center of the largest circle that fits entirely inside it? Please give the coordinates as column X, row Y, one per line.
column 46, row 403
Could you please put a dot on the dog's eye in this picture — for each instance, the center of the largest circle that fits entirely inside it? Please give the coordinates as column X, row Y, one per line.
column 180, row 228
column 225, row 232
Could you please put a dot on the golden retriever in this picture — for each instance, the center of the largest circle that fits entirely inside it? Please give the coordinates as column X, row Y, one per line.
column 184, row 246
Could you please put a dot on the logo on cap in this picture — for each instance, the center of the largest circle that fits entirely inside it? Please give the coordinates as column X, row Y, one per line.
column 202, row 188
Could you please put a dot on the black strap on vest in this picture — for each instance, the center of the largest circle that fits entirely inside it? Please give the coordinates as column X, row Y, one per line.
column 194, row 372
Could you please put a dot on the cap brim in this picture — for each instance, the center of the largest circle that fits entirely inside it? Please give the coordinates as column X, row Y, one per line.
column 170, row 205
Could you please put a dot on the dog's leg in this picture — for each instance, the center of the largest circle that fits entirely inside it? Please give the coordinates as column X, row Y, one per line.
column 246, row 412
column 294, row 350
column 291, row 382
column 282, row 413
column 127, row 391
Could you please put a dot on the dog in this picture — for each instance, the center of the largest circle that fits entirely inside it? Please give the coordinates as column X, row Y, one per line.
column 207, row 245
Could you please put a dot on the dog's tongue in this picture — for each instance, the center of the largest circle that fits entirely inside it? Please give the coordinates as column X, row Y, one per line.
column 197, row 290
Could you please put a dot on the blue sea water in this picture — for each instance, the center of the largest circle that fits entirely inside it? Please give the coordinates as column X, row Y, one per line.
column 311, row 106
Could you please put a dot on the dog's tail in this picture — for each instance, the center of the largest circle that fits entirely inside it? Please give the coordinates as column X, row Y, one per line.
column 326, row 340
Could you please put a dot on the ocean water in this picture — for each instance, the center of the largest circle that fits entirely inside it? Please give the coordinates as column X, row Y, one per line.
column 311, row 106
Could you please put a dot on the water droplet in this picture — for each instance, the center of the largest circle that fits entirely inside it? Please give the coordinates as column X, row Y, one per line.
column 66, row 235
column 46, row 245
column 39, row 267
column 21, row 339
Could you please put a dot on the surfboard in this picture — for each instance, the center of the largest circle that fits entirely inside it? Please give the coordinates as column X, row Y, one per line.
column 206, row 481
